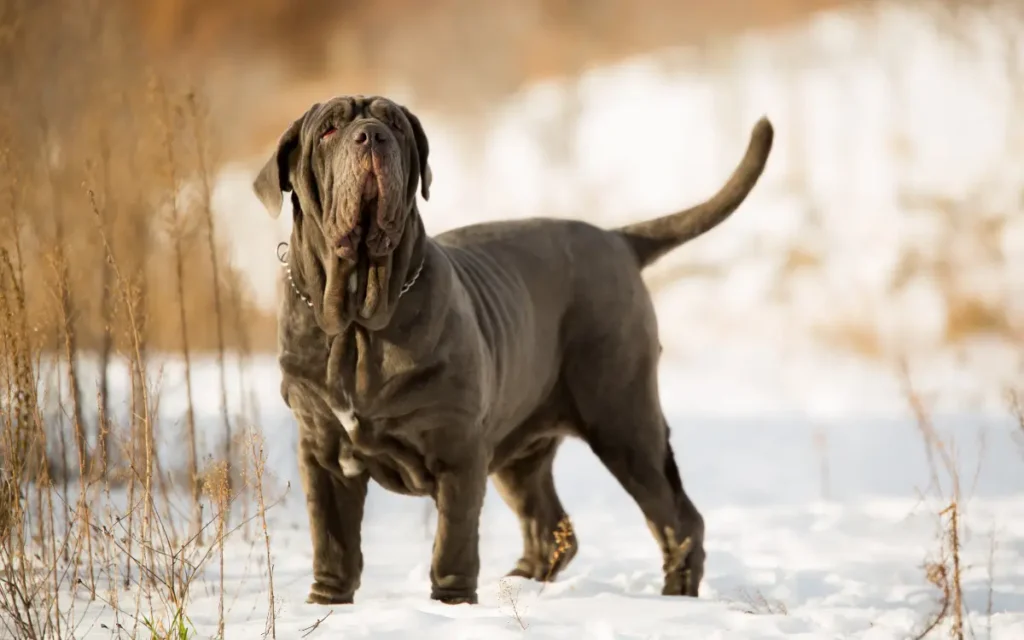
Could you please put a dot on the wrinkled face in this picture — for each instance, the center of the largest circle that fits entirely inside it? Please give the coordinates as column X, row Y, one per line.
column 353, row 165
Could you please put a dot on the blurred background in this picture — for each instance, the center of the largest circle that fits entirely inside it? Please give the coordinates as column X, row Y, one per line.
column 887, row 226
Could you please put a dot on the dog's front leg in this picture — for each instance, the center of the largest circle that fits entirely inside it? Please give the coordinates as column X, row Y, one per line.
column 335, row 507
column 456, row 562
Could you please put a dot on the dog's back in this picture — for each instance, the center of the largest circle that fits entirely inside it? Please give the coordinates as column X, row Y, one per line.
column 557, row 302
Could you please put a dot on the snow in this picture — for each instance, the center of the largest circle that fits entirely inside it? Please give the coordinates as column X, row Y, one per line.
column 817, row 527
column 804, row 457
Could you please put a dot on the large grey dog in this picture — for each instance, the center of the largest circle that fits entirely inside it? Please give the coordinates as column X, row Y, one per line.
column 432, row 363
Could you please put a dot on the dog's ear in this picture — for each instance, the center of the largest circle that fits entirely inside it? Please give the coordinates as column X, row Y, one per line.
column 275, row 178
column 422, row 152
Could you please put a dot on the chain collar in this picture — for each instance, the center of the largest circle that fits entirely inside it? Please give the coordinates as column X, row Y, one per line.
column 282, row 257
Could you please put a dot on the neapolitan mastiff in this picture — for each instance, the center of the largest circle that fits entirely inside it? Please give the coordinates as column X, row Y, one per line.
column 429, row 364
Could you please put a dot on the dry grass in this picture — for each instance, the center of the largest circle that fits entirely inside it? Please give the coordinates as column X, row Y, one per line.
column 800, row 259
column 66, row 548
column 972, row 236
column 307, row 631
column 1017, row 409
column 508, row 595
column 968, row 316
column 217, row 487
column 755, row 603
column 106, row 182
column 130, row 128
column 944, row 570
column 259, row 458
column 422, row 46
column 89, row 510
column 563, row 538
column 853, row 335
column 211, row 28
column 52, row 582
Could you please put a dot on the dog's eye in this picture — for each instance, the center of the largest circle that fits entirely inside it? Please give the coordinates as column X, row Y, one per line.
column 330, row 132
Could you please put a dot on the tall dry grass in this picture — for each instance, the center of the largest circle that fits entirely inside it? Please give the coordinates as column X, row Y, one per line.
column 107, row 156
column 948, row 494
column 81, row 107
column 944, row 570
column 103, row 150
column 74, row 549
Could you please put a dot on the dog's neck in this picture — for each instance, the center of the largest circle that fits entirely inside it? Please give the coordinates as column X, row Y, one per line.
column 418, row 256
column 282, row 256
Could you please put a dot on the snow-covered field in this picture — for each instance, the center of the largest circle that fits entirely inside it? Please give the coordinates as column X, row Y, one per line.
column 804, row 458
column 816, row 529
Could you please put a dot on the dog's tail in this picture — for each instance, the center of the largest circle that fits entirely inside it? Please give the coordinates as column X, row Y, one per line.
column 652, row 239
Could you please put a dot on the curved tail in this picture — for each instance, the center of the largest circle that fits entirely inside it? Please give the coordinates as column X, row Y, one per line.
column 652, row 239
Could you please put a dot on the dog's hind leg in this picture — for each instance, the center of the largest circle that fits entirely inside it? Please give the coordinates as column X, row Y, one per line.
column 624, row 426
column 528, row 487
column 691, row 521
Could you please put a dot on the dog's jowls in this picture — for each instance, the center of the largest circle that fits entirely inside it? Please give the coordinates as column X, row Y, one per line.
column 430, row 364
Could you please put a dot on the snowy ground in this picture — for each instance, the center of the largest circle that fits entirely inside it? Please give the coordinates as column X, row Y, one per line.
column 824, row 519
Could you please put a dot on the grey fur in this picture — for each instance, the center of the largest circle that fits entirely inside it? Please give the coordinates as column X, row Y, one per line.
column 517, row 335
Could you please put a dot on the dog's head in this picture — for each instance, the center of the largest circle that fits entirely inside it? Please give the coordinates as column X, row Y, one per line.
column 353, row 166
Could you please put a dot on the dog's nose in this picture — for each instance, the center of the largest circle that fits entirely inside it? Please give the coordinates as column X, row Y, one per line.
column 370, row 134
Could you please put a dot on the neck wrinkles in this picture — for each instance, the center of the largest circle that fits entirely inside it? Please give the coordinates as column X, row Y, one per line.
column 299, row 282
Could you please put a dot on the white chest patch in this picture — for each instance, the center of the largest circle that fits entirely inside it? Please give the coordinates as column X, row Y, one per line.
column 348, row 420
column 350, row 466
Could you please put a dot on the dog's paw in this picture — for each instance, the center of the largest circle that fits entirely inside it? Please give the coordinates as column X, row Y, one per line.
column 684, row 573
column 450, row 597
column 521, row 570
column 458, row 599
column 322, row 594
column 556, row 556
column 533, row 570
column 680, row 583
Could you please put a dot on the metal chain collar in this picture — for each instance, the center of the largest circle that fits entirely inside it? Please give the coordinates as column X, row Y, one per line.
column 282, row 257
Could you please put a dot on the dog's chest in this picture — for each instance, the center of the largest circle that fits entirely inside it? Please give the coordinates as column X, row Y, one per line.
column 373, row 407
column 369, row 446
column 382, row 398
column 346, row 416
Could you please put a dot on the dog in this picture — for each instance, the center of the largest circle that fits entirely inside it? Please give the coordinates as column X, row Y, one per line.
column 430, row 364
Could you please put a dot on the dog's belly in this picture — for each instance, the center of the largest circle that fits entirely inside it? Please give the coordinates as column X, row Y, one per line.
column 535, row 431
column 392, row 474
column 518, row 300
